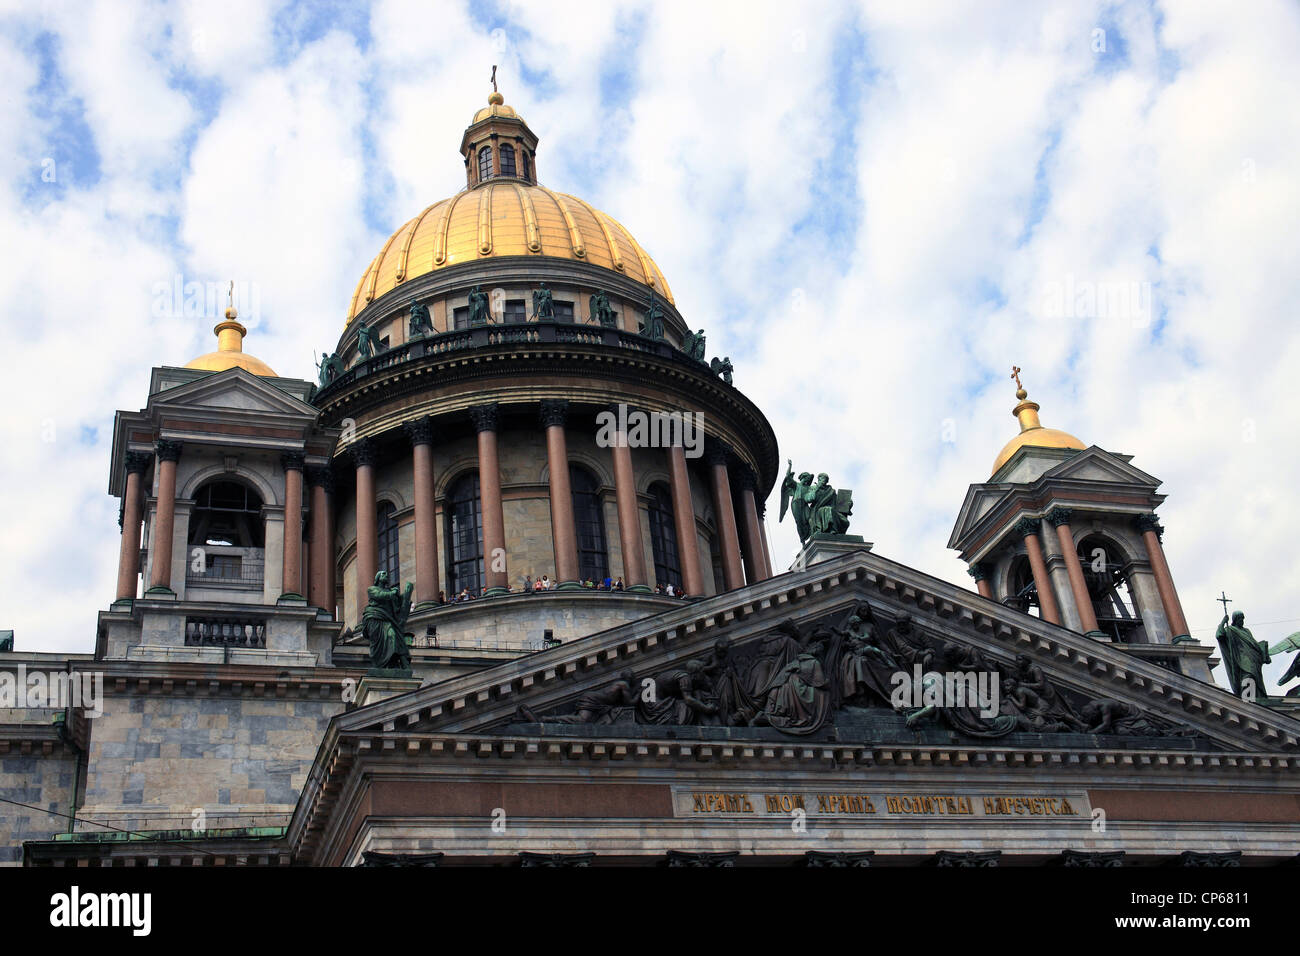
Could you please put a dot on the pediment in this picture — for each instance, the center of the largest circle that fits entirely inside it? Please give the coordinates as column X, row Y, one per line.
column 980, row 500
column 1096, row 464
column 235, row 390
column 715, row 666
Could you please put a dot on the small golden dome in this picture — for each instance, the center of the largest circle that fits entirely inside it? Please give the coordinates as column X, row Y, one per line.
column 230, row 350
column 505, row 218
column 496, row 107
column 1032, row 432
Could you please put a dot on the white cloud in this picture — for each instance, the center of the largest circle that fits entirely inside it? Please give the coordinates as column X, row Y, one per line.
column 989, row 154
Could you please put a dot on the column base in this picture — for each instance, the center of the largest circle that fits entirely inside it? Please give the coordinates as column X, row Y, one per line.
column 1184, row 639
column 425, row 606
column 639, row 589
column 496, row 591
column 289, row 597
column 569, row 586
column 122, row 604
column 160, row 592
column 1098, row 636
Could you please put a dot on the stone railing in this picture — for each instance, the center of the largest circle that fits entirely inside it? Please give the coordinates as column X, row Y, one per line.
column 224, row 631
column 497, row 335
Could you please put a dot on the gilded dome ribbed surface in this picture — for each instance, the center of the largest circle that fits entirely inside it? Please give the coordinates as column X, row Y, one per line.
column 505, row 217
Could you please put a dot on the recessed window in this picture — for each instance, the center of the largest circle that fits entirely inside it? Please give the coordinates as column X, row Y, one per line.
column 527, row 169
column 460, row 317
column 663, row 537
column 386, row 522
column 463, row 520
column 485, row 163
column 589, row 523
column 516, row 310
column 507, row 160
column 563, row 311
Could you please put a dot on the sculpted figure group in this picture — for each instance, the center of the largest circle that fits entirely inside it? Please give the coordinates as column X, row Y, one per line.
column 796, row 682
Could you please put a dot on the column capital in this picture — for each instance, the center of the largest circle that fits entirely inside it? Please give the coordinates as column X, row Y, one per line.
column 1060, row 516
column 553, row 411
column 485, row 417
column 137, row 462
column 321, row 476
column 1150, row 522
column 716, row 452
column 167, row 450
column 746, row 478
column 363, row 452
column 979, row 571
column 292, row 461
column 420, row 431
column 1026, row 527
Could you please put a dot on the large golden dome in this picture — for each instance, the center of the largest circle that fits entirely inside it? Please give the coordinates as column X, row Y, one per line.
column 1032, row 433
column 505, row 217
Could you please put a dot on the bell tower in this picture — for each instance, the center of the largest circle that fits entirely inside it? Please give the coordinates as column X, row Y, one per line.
column 1068, row 532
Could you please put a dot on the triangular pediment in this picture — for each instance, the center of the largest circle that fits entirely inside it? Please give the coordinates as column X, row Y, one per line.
column 727, row 653
column 1096, row 464
column 234, row 390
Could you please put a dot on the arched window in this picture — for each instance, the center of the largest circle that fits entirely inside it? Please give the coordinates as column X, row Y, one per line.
column 226, row 514
column 507, row 159
column 463, row 520
column 1022, row 593
column 1105, row 570
column 589, row 523
column 663, row 537
column 527, row 168
column 389, row 560
column 485, row 163
column 226, row 536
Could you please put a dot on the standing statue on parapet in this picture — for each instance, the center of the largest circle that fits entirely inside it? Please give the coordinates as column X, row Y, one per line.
column 421, row 323
column 693, row 345
column 368, row 344
column 1243, row 657
column 478, row 306
column 330, row 367
column 543, row 305
column 384, row 624
column 654, row 319
column 601, row 310
column 817, row 509
column 722, row 367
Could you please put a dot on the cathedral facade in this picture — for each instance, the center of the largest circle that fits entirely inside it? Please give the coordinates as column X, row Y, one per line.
column 495, row 589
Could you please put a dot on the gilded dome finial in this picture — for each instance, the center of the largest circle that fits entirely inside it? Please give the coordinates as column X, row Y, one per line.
column 1032, row 431
column 495, row 98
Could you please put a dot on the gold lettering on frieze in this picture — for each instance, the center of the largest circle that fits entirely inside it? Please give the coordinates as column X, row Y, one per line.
column 721, row 803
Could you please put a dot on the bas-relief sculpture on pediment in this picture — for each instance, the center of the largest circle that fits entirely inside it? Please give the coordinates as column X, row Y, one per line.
column 848, row 676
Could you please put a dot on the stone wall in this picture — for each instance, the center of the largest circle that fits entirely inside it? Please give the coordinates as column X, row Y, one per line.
column 155, row 759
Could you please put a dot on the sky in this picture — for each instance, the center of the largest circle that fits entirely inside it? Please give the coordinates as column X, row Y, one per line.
column 875, row 210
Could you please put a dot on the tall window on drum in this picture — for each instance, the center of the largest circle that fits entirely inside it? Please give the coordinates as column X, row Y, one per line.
column 589, row 523
column 389, row 559
column 485, row 163
column 507, row 159
column 663, row 537
column 463, row 521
